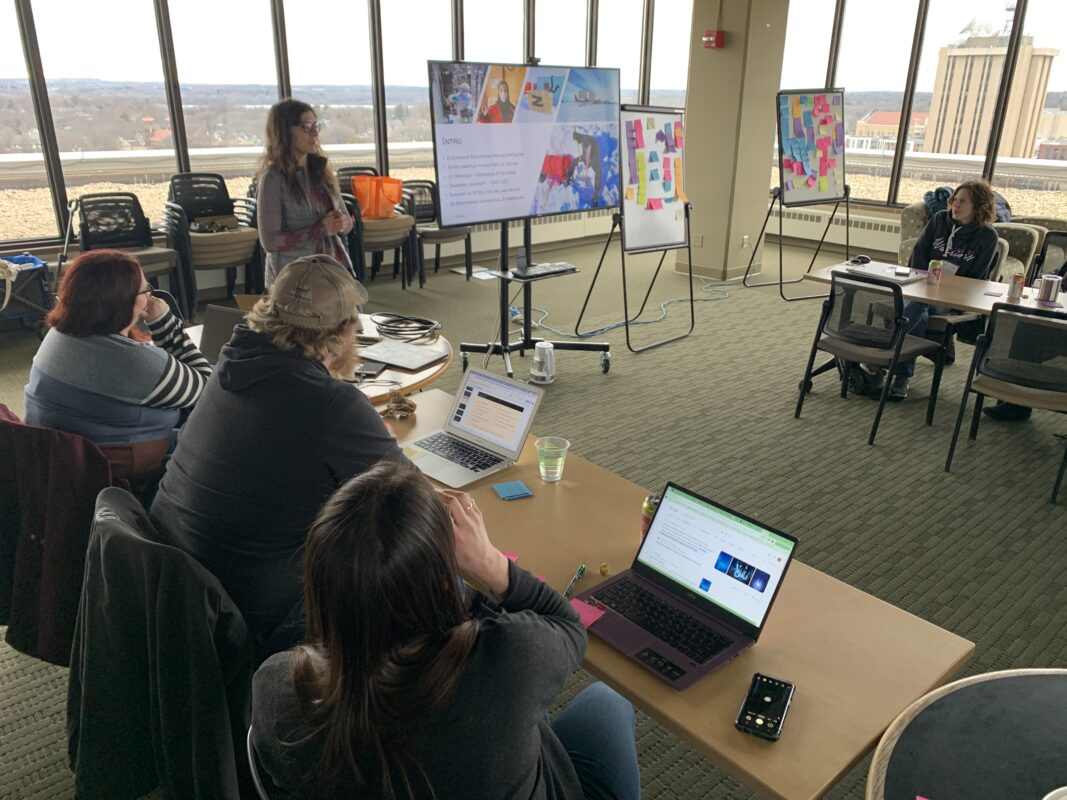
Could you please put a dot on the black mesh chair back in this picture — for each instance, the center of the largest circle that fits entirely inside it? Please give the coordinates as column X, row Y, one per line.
column 1052, row 260
column 864, row 311
column 1027, row 347
column 345, row 175
column 200, row 194
column 113, row 219
column 423, row 200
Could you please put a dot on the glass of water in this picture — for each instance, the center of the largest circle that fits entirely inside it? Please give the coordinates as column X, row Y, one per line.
column 551, row 453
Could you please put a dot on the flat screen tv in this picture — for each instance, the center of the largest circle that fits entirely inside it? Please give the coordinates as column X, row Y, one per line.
column 513, row 141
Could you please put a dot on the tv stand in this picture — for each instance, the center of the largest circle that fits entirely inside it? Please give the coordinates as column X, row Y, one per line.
column 505, row 278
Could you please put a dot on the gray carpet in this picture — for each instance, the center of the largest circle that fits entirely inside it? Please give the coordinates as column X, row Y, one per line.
column 979, row 551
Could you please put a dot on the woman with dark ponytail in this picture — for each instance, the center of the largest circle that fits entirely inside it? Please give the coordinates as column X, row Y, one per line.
column 407, row 688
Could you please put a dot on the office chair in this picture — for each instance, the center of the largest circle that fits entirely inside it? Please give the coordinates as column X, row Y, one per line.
column 1018, row 360
column 851, row 330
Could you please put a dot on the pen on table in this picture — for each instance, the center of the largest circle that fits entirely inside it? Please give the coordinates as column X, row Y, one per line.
column 577, row 577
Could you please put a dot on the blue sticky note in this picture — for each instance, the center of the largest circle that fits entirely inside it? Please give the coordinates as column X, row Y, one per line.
column 512, row 490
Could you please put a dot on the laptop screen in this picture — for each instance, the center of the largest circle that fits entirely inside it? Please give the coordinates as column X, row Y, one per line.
column 727, row 559
column 495, row 410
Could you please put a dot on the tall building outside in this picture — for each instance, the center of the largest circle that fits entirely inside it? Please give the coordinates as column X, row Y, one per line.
column 965, row 93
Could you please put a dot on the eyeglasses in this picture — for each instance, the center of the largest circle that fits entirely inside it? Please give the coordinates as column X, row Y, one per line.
column 146, row 292
column 310, row 127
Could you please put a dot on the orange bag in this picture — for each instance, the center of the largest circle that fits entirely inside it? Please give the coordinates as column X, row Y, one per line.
column 378, row 196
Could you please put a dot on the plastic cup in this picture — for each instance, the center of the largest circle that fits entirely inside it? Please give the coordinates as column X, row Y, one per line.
column 551, row 453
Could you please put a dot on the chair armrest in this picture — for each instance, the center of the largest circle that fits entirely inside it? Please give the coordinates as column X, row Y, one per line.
column 905, row 249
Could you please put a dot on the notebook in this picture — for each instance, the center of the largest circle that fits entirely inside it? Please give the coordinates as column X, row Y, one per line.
column 219, row 323
column 402, row 355
column 698, row 592
column 486, row 429
column 878, row 269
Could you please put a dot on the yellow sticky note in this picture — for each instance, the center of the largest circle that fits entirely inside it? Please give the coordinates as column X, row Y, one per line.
column 678, row 179
column 629, row 193
column 650, row 124
column 822, row 184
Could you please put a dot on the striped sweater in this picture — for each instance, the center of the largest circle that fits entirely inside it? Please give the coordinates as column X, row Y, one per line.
column 112, row 389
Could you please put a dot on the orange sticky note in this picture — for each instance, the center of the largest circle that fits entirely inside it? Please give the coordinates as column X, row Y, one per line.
column 587, row 614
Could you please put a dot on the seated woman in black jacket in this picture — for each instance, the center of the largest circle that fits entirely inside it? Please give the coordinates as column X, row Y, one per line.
column 404, row 691
column 963, row 238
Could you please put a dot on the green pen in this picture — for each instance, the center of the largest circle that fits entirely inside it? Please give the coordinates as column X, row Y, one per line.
column 577, row 577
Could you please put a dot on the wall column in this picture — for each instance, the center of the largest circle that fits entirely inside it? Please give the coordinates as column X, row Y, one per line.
column 730, row 122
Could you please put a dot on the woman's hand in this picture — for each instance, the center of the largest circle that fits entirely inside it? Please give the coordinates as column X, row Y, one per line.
column 155, row 308
column 334, row 222
column 475, row 554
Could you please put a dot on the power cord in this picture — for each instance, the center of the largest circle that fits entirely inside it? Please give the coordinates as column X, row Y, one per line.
column 405, row 328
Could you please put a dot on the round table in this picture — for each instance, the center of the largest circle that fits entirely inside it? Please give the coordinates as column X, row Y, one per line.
column 998, row 735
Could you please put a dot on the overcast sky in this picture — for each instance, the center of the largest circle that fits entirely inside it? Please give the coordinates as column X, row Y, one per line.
column 328, row 45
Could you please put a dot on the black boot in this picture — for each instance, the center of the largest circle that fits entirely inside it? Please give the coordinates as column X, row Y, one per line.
column 1009, row 412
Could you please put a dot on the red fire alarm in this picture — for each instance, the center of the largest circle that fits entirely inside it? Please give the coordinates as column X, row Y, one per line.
column 714, row 39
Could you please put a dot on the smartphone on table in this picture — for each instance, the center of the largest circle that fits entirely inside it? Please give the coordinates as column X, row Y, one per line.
column 763, row 712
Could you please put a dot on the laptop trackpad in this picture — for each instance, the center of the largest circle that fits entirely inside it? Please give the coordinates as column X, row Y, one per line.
column 625, row 635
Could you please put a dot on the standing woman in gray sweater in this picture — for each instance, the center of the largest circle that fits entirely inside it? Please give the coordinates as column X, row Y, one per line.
column 406, row 689
column 299, row 211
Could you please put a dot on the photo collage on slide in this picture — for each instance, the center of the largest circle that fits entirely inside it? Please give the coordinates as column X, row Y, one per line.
column 811, row 134
column 740, row 571
column 564, row 121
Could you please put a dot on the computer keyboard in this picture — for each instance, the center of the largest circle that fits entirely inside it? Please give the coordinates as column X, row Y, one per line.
column 663, row 620
column 459, row 452
column 548, row 268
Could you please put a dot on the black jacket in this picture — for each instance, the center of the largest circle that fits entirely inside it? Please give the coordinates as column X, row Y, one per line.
column 160, row 671
column 972, row 248
column 272, row 436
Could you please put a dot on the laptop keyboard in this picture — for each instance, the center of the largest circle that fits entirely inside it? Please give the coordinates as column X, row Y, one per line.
column 664, row 621
column 459, row 452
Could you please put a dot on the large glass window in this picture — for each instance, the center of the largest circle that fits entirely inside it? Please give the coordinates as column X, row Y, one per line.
column 412, row 33
column 225, row 57
column 618, row 42
column 873, row 71
column 958, row 81
column 672, row 26
column 25, row 202
column 111, row 122
column 492, row 30
column 333, row 74
column 559, row 34
column 1031, row 168
column 807, row 51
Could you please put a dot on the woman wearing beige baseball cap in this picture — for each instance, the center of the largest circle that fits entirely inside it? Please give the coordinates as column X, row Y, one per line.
column 273, row 435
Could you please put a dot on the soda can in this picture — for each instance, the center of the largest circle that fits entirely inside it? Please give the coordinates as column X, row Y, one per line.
column 648, row 509
column 1015, row 286
column 933, row 271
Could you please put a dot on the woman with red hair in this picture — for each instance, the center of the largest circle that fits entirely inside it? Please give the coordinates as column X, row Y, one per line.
column 97, row 373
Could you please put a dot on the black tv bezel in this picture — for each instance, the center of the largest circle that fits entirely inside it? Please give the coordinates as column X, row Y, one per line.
column 433, row 134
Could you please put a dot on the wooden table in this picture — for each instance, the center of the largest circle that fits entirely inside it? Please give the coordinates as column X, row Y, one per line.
column 857, row 661
column 377, row 389
column 966, row 294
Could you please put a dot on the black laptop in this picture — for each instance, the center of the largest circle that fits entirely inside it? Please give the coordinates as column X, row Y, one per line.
column 698, row 592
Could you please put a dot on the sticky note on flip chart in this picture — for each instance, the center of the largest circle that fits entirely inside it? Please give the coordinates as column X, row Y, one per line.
column 629, row 193
column 639, row 136
column 653, row 175
column 787, row 163
column 653, row 156
column 822, row 184
column 654, row 204
column 678, row 179
column 811, row 180
column 642, row 178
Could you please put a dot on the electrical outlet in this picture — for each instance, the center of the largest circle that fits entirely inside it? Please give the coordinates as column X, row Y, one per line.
column 745, row 242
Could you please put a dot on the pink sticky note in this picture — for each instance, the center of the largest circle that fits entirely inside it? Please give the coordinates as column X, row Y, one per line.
column 587, row 614
column 787, row 163
column 510, row 555
column 811, row 180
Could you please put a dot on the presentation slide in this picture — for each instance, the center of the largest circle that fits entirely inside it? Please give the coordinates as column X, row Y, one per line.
column 513, row 141
column 653, row 204
column 734, row 563
column 811, row 145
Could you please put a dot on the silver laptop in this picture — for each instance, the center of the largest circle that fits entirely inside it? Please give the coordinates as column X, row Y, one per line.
column 485, row 432
column 698, row 592
column 887, row 272
column 219, row 323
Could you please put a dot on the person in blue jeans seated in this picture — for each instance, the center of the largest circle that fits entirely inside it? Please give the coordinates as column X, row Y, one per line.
column 963, row 238
column 116, row 366
column 408, row 689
